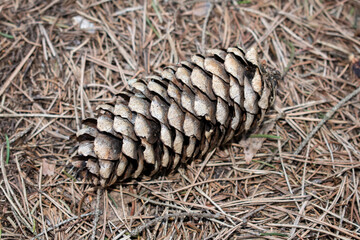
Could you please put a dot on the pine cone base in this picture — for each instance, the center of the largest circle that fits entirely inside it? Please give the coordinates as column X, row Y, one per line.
column 178, row 115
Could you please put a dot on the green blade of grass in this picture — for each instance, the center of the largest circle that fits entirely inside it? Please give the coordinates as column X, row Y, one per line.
column 152, row 27
column 244, row 2
column 265, row 163
column 34, row 227
column 69, row 175
column 292, row 57
column 155, row 6
column 52, row 20
column 7, row 149
column 113, row 201
column 264, row 136
column 66, row 206
column 6, row 35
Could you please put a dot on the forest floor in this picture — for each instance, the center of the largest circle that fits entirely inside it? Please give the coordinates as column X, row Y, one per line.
column 60, row 59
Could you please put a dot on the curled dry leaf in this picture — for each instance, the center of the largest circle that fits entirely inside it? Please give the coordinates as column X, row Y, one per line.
column 201, row 9
column 48, row 167
column 252, row 145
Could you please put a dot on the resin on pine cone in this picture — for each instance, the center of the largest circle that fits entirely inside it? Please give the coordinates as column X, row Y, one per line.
column 178, row 115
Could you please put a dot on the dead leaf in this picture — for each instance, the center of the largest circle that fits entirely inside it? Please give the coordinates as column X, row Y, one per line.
column 252, row 145
column 48, row 167
column 201, row 9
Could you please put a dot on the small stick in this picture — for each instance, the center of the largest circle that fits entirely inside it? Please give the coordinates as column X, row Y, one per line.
column 140, row 228
column 16, row 71
column 97, row 213
column 26, row 115
column 251, row 213
column 20, row 134
column 328, row 115
column 64, row 222
column 203, row 34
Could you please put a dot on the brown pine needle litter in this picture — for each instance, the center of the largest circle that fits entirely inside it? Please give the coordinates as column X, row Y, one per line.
column 61, row 59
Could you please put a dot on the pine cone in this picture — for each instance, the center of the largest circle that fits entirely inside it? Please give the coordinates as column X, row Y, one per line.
column 181, row 114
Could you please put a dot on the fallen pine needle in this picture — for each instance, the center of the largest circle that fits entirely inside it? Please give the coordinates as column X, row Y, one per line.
column 328, row 115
